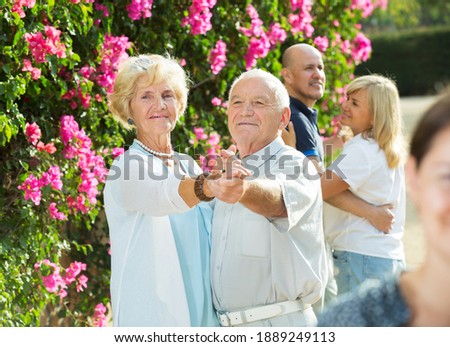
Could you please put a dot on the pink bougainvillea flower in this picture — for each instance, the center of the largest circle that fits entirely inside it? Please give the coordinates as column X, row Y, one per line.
column 99, row 318
column 321, row 42
column 117, row 151
column 34, row 71
column 69, row 127
column 301, row 21
column 49, row 147
column 217, row 57
column 260, row 42
column 361, row 49
column 53, row 282
column 113, row 52
column 276, row 34
column 216, row 101
column 139, row 9
column 103, row 8
column 40, row 46
column 92, row 166
column 213, row 139
column 199, row 17
column 54, row 213
column 32, row 188
column 33, row 132
column 73, row 271
column 53, row 44
column 86, row 71
column 365, row 6
column 200, row 133
column 81, row 283
column 55, row 174
column 258, row 47
column 19, row 4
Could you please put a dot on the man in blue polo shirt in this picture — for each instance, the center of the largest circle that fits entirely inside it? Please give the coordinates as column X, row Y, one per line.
column 304, row 78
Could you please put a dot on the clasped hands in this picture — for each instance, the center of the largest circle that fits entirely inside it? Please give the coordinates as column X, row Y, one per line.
column 227, row 180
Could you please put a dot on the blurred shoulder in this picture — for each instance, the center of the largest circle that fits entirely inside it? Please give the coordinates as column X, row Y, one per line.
column 374, row 303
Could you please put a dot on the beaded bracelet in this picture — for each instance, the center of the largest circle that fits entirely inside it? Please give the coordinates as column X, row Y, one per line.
column 198, row 187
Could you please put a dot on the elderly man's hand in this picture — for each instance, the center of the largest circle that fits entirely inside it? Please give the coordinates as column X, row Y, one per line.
column 227, row 180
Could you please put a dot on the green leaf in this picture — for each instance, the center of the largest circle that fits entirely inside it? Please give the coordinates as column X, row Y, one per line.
column 50, row 4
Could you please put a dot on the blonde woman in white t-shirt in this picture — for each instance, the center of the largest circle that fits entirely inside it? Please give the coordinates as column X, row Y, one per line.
column 370, row 167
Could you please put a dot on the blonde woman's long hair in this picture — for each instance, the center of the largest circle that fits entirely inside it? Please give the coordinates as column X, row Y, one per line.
column 384, row 104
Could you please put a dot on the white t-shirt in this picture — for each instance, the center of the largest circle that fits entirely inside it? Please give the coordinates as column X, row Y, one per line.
column 363, row 166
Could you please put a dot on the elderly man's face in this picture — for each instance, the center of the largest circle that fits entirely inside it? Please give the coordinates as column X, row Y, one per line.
column 253, row 119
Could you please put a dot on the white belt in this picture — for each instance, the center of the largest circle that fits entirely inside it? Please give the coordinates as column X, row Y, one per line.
column 228, row 319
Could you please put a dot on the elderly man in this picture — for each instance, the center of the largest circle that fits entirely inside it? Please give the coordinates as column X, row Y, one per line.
column 268, row 261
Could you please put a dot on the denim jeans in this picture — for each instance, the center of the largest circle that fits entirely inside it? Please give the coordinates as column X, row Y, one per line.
column 351, row 269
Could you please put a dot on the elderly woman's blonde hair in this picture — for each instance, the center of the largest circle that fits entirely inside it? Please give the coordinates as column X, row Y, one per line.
column 145, row 70
column 384, row 106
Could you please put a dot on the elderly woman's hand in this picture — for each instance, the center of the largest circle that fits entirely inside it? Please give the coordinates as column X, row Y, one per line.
column 227, row 184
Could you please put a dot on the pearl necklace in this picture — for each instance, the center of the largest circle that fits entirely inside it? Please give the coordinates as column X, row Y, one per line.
column 159, row 154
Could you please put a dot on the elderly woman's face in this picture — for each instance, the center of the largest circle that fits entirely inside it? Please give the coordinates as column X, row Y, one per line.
column 154, row 108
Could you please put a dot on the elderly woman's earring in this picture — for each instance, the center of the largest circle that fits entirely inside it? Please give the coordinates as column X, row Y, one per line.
column 130, row 121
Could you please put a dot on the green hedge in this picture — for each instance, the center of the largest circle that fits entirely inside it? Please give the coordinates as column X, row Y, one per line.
column 418, row 59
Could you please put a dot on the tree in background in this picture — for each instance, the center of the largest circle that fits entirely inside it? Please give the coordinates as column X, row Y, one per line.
column 408, row 14
column 58, row 61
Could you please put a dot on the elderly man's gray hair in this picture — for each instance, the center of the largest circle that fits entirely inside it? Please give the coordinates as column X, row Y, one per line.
column 279, row 90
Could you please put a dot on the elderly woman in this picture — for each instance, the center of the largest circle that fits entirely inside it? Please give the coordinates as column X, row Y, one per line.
column 159, row 229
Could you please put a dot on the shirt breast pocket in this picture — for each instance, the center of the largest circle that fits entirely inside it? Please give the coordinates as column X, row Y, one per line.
column 255, row 241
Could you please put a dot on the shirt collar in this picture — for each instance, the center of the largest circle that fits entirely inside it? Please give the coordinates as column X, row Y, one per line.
column 308, row 112
column 257, row 159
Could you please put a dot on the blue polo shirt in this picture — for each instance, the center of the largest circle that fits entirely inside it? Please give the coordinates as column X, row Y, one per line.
column 309, row 141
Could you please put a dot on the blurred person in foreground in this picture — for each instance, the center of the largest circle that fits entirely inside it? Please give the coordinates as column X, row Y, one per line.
column 418, row 297
column 268, row 263
column 159, row 227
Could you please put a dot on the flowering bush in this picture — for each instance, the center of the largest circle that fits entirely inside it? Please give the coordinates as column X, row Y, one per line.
column 57, row 138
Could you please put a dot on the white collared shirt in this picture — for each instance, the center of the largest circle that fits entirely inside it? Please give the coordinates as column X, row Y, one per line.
column 256, row 260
